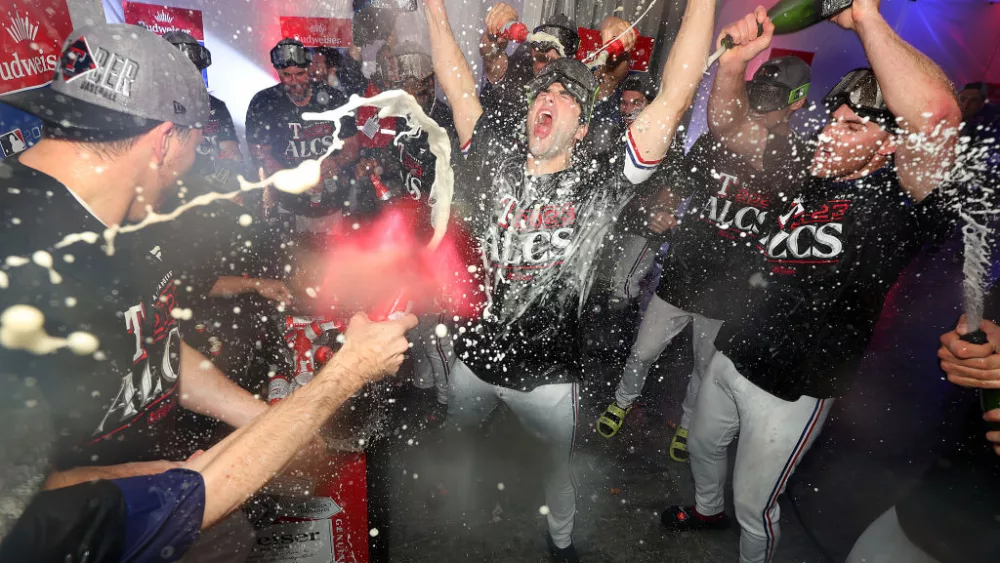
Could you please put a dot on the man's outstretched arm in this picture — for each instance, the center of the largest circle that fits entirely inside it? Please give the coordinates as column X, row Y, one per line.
column 729, row 105
column 654, row 129
column 916, row 91
column 452, row 71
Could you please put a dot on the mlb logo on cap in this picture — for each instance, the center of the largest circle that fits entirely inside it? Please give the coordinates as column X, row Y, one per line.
column 12, row 142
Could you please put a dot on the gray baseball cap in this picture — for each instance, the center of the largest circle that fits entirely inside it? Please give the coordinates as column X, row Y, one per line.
column 117, row 79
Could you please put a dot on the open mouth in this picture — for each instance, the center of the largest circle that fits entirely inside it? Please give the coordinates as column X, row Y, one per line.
column 543, row 124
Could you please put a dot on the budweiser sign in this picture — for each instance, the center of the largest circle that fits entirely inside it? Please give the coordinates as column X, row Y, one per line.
column 318, row 32
column 162, row 19
column 31, row 43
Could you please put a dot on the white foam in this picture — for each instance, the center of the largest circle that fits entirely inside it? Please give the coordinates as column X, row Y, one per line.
column 22, row 327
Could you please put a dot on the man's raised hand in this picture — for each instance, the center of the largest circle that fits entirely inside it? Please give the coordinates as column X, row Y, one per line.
column 747, row 43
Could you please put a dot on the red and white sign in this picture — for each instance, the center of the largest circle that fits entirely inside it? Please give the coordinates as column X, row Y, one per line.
column 590, row 41
column 318, row 32
column 161, row 19
column 31, row 43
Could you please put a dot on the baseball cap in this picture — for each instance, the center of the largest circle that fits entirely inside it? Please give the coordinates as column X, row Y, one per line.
column 860, row 90
column 564, row 30
column 574, row 76
column 779, row 83
column 199, row 55
column 640, row 82
column 290, row 52
column 117, row 79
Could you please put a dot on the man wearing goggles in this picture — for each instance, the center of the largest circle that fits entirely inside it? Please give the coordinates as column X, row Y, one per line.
column 831, row 254
column 279, row 138
column 541, row 216
column 218, row 141
column 558, row 37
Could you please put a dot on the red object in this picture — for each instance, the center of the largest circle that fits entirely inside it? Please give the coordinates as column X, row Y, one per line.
column 370, row 126
column 32, row 43
column 161, row 19
column 515, row 31
column 590, row 41
column 318, row 32
column 394, row 309
column 322, row 355
column 806, row 56
column 615, row 48
column 381, row 192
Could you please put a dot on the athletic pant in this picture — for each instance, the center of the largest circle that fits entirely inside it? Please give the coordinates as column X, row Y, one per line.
column 885, row 542
column 549, row 413
column 774, row 435
column 661, row 323
column 634, row 257
column 432, row 357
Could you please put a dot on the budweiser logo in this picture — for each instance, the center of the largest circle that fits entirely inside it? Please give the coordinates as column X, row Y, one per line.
column 317, row 28
column 163, row 17
column 21, row 28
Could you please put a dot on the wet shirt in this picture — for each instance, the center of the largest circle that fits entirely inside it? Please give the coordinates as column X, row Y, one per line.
column 117, row 405
column 416, row 162
column 714, row 267
column 832, row 256
column 217, row 130
column 540, row 237
column 210, row 173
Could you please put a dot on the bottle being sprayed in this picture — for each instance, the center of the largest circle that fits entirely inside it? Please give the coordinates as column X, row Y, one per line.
column 789, row 16
column 401, row 304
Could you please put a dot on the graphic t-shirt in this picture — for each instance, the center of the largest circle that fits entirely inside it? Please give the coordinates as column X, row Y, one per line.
column 540, row 237
column 118, row 404
column 832, row 256
column 275, row 121
column 714, row 267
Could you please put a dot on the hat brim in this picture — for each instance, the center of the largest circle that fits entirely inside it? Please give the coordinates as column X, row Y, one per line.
column 66, row 112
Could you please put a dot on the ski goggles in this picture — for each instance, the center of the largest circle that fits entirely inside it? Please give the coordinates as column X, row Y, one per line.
column 766, row 96
column 290, row 54
column 860, row 91
column 575, row 77
column 199, row 55
column 568, row 39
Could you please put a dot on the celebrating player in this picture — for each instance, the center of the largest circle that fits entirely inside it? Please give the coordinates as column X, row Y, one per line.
column 832, row 254
column 541, row 217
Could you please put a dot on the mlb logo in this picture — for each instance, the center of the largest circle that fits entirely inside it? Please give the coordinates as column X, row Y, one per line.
column 12, row 142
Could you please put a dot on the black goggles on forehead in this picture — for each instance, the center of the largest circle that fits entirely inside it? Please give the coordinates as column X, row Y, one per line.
column 199, row 55
column 284, row 56
column 766, row 96
column 860, row 91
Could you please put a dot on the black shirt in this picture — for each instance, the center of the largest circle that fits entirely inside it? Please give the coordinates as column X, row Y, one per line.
column 540, row 236
column 714, row 267
column 275, row 121
column 416, row 161
column 210, row 173
column 832, row 257
column 117, row 405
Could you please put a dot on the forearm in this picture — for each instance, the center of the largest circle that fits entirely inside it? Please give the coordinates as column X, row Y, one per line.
column 728, row 105
column 915, row 88
column 654, row 129
column 494, row 58
column 228, row 286
column 77, row 475
column 453, row 72
column 245, row 461
column 205, row 390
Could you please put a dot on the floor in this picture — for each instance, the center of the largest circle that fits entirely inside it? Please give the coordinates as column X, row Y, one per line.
column 878, row 441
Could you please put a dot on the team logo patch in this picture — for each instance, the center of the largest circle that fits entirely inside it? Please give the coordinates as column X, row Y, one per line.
column 12, row 143
column 77, row 60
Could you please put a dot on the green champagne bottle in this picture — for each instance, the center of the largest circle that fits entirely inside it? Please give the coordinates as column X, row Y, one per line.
column 989, row 399
column 789, row 16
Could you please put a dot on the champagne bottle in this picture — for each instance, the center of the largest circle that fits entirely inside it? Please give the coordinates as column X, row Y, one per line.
column 789, row 16
column 989, row 399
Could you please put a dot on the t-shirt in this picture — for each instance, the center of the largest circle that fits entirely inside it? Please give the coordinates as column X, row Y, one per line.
column 218, row 129
column 416, row 161
column 714, row 267
column 832, row 256
column 118, row 404
column 210, row 173
column 540, row 237
column 275, row 121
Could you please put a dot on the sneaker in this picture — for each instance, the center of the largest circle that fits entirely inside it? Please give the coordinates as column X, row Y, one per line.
column 562, row 554
column 685, row 518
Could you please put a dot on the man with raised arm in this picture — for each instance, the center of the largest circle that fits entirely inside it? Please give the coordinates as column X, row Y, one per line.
column 833, row 252
column 541, row 217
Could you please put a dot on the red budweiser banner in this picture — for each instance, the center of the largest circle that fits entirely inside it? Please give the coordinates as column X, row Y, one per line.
column 590, row 41
column 161, row 19
column 318, row 32
column 31, row 42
